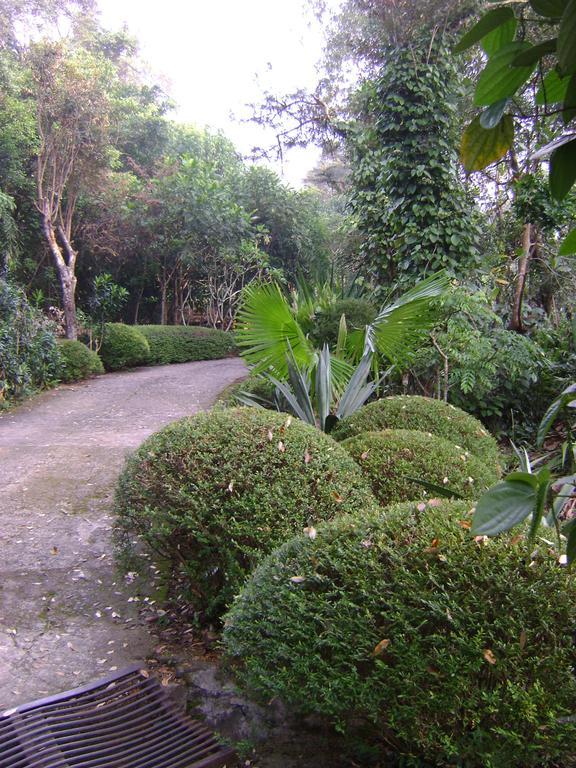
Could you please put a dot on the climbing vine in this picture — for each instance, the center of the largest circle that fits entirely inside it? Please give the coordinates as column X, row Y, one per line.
column 409, row 201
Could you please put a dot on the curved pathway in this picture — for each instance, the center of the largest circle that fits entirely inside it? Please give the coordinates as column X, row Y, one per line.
column 66, row 615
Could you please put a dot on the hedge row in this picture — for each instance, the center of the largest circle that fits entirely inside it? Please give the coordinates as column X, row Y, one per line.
column 183, row 344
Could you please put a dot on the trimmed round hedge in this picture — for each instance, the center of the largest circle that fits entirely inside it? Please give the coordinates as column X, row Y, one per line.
column 214, row 493
column 123, row 346
column 426, row 415
column 402, row 628
column 78, row 361
column 394, row 458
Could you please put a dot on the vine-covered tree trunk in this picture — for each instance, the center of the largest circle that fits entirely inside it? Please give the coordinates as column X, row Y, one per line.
column 528, row 244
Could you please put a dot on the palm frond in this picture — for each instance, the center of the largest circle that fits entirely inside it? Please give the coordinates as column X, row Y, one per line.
column 397, row 323
column 266, row 328
column 323, row 386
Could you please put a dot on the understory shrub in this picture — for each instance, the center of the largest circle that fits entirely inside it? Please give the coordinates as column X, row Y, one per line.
column 426, row 415
column 183, row 344
column 403, row 628
column 213, row 493
column 358, row 314
column 29, row 358
column 123, row 346
column 393, row 459
column 78, row 362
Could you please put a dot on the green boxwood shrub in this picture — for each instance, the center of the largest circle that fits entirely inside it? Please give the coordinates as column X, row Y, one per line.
column 78, row 362
column 426, row 415
column 358, row 313
column 183, row 344
column 123, row 346
column 402, row 628
column 214, row 493
column 393, row 458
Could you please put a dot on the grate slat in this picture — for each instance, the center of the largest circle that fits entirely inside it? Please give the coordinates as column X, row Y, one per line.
column 125, row 720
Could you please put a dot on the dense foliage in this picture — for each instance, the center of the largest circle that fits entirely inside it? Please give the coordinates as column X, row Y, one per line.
column 182, row 344
column 123, row 346
column 29, row 358
column 395, row 460
column 383, row 626
column 213, row 493
column 78, row 361
column 358, row 313
column 426, row 415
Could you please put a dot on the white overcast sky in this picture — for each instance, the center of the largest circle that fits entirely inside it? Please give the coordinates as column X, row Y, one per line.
column 215, row 57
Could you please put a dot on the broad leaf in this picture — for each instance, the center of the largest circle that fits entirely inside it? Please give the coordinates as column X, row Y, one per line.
column 500, row 80
column 552, row 9
column 562, row 170
column 500, row 37
column 544, row 484
column 570, row 531
column 569, row 105
column 490, row 21
column 481, row 147
column 567, row 40
column 553, row 411
column 491, row 117
column 553, row 89
column 568, row 246
column 535, row 53
column 503, row 506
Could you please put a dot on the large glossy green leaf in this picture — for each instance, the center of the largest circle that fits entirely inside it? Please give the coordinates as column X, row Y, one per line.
column 569, row 105
column 396, row 323
column 570, row 531
column 562, row 170
column 553, row 89
column 567, row 40
column 568, row 246
column 553, row 411
column 492, row 115
column 499, row 80
column 535, row 53
column 490, row 21
column 552, row 9
column 499, row 37
column 267, row 328
column 480, row 146
column 503, row 506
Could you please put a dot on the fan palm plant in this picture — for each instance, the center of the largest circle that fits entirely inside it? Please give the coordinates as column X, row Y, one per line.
column 321, row 387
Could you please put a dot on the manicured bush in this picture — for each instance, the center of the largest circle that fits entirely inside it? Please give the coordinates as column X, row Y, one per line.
column 358, row 313
column 215, row 492
column 183, row 344
column 402, row 628
column 123, row 346
column 29, row 358
column 426, row 415
column 78, row 362
column 394, row 458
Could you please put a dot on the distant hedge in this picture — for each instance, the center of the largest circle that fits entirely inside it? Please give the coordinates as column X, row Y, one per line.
column 183, row 344
column 78, row 362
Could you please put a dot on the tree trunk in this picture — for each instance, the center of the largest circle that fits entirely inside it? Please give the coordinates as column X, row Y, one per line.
column 523, row 266
column 65, row 269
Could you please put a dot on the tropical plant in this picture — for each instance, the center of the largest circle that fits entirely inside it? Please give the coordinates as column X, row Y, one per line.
column 268, row 328
column 540, row 496
column 531, row 50
column 313, row 395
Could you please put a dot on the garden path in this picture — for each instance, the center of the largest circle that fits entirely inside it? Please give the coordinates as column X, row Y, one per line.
column 66, row 615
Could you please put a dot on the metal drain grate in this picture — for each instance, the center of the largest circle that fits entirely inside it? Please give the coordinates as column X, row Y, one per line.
column 123, row 721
